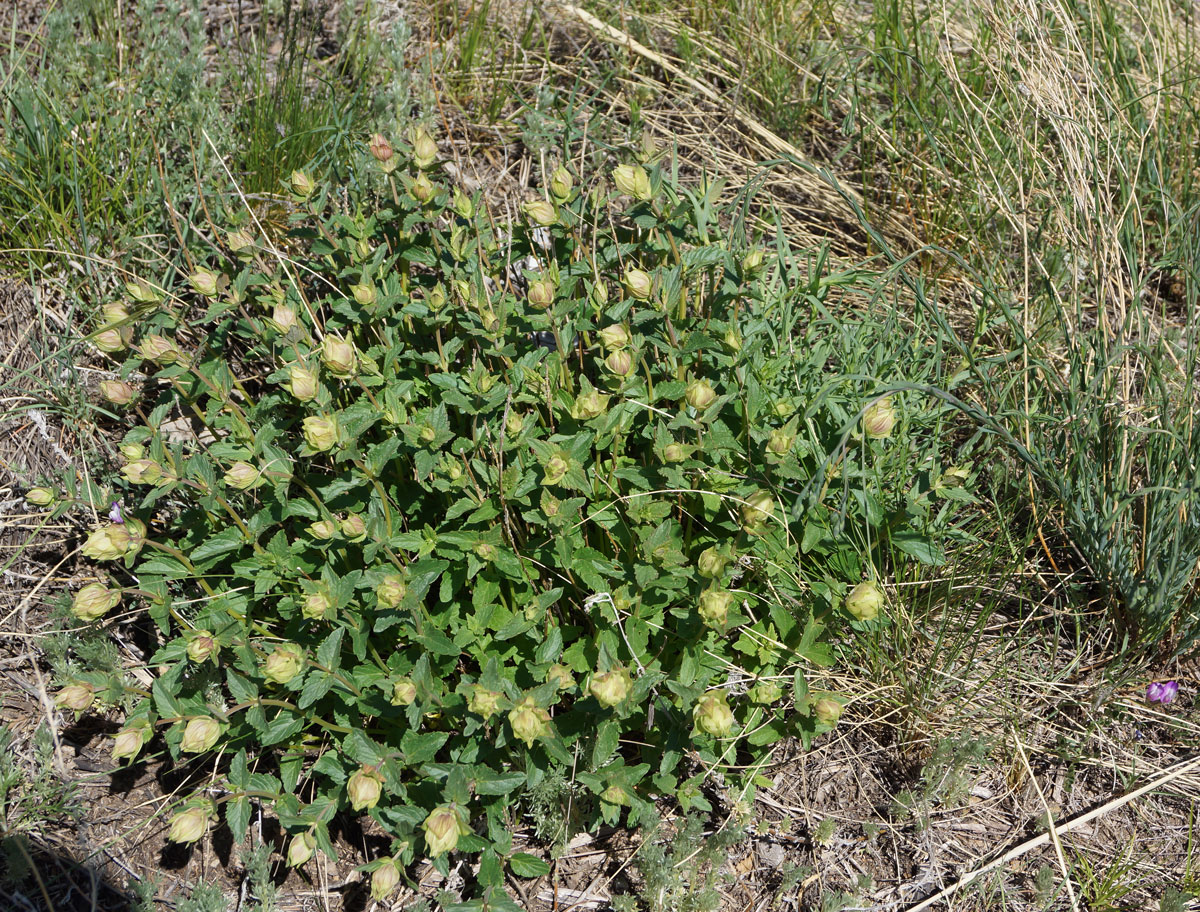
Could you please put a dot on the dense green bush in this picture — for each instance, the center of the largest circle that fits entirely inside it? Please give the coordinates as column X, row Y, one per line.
column 470, row 505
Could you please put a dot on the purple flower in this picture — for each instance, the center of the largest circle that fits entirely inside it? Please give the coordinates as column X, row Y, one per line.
column 114, row 512
column 1162, row 692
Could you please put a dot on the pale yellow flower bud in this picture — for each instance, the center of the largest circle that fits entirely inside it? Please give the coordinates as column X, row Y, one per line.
column 315, row 606
column 128, row 742
column 827, row 711
column 484, row 702
column 112, row 340
column 118, row 392
column 353, row 527
column 425, row 150
column 879, row 419
column 302, row 383
column 443, row 827
column 339, row 355
column 541, row 293
column 615, row 337
column 242, row 475
column 391, row 590
column 422, row 188
column 302, row 185
column 302, row 847
column 753, row 260
column 700, row 395
column 865, row 601
column 711, row 563
column 323, row 529
column 620, row 363
column 529, row 721
column 110, row 542
column 75, row 696
column 320, row 433
column 589, row 405
column 758, row 508
column 142, row 471
column 632, row 180
column 384, row 879
column 404, row 692
column 561, row 676
column 674, row 452
column 283, row 319
column 142, row 292
column 204, row 281
column 159, row 349
column 610, row 687
column 94, row 601
column 780, row 442
column 283, row 664
column 713, row 715
column 639, row 283
column 714, row 607
column 40, row 497
column 201, row 646
column 364, row 295
column 541, row 212
column 555, row 468
column 561, row 184
column 365, row 788
column 188, row 825
column 200, row 735
column 766, row 692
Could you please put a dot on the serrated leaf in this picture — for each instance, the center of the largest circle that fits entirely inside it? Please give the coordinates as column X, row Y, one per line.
column 499, row 784
column 420, row 747
column 550, row 648
column 525, row 865
column 222, row 543
column 608, row 737
column 316, row 685
column 329, row 652
column 361, row 749
column 237, row 817
column 282, row 727
column 490, row 873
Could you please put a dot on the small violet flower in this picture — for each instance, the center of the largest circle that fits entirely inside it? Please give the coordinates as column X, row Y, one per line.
column 1162, row 692
column 114, row 512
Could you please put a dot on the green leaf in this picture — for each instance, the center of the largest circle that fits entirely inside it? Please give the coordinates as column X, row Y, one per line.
column 222, row 543
column 550, row 648
column 919, row 546
column 316, row 685
column 487, row 783
column 361, row 749
column 237, row 817
column 525, row 865
column 419, row 747
column 329, row 652
column 490, row 872
column 608, row 737
column 282, row 727
column 766, row 734
column 163, row 566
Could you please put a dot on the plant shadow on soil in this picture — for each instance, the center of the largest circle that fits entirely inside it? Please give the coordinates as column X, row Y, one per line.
column 37, row 877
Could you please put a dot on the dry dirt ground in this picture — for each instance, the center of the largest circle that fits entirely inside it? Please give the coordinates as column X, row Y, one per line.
column 896, row 805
